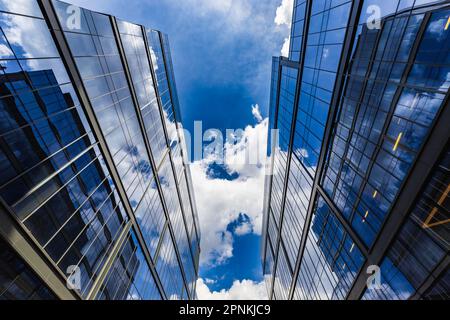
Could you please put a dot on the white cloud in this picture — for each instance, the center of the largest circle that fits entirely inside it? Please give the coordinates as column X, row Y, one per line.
column 5, row 52
column 257, row 113
column 32, row 37
column 206, row 6
column 236, row 13
column 285, row 48
column 247, row 157
column 240, row 290
column 303, row 153
column 284, row 13
column 220, row 201
column 154, row 59
column 25, row 7
column 283, row 17
column 243, row 229
column 437, row 27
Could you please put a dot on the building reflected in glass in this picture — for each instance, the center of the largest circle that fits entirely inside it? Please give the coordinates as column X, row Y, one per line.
column 361, row 175
column 93, row 189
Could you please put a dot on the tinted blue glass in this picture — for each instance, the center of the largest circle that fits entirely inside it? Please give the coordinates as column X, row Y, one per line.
column 322, row 54
column 364, row 110
column 284, row 123
column 298, row 198
column 129, row 278
column 298, row 21
column 283, row 276
column 104, row 78
column 423, row 241
column 138, row 62
column 53, row 175
column 169, row 269
column 331, row 259
column 440, row 289
column 160, row 53
column 17, row 281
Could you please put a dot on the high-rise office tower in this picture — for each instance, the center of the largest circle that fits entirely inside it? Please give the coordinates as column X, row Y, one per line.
column 96, row 200
column 358, row 203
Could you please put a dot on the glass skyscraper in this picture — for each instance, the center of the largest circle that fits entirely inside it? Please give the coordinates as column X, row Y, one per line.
column 96, row 198
column 360, row 179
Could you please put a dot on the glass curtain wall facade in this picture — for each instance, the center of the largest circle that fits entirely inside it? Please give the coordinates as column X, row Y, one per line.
column 361, row 174
column 93, row 187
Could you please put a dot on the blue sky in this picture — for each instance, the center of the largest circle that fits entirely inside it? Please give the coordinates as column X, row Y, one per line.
column 221, row 50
